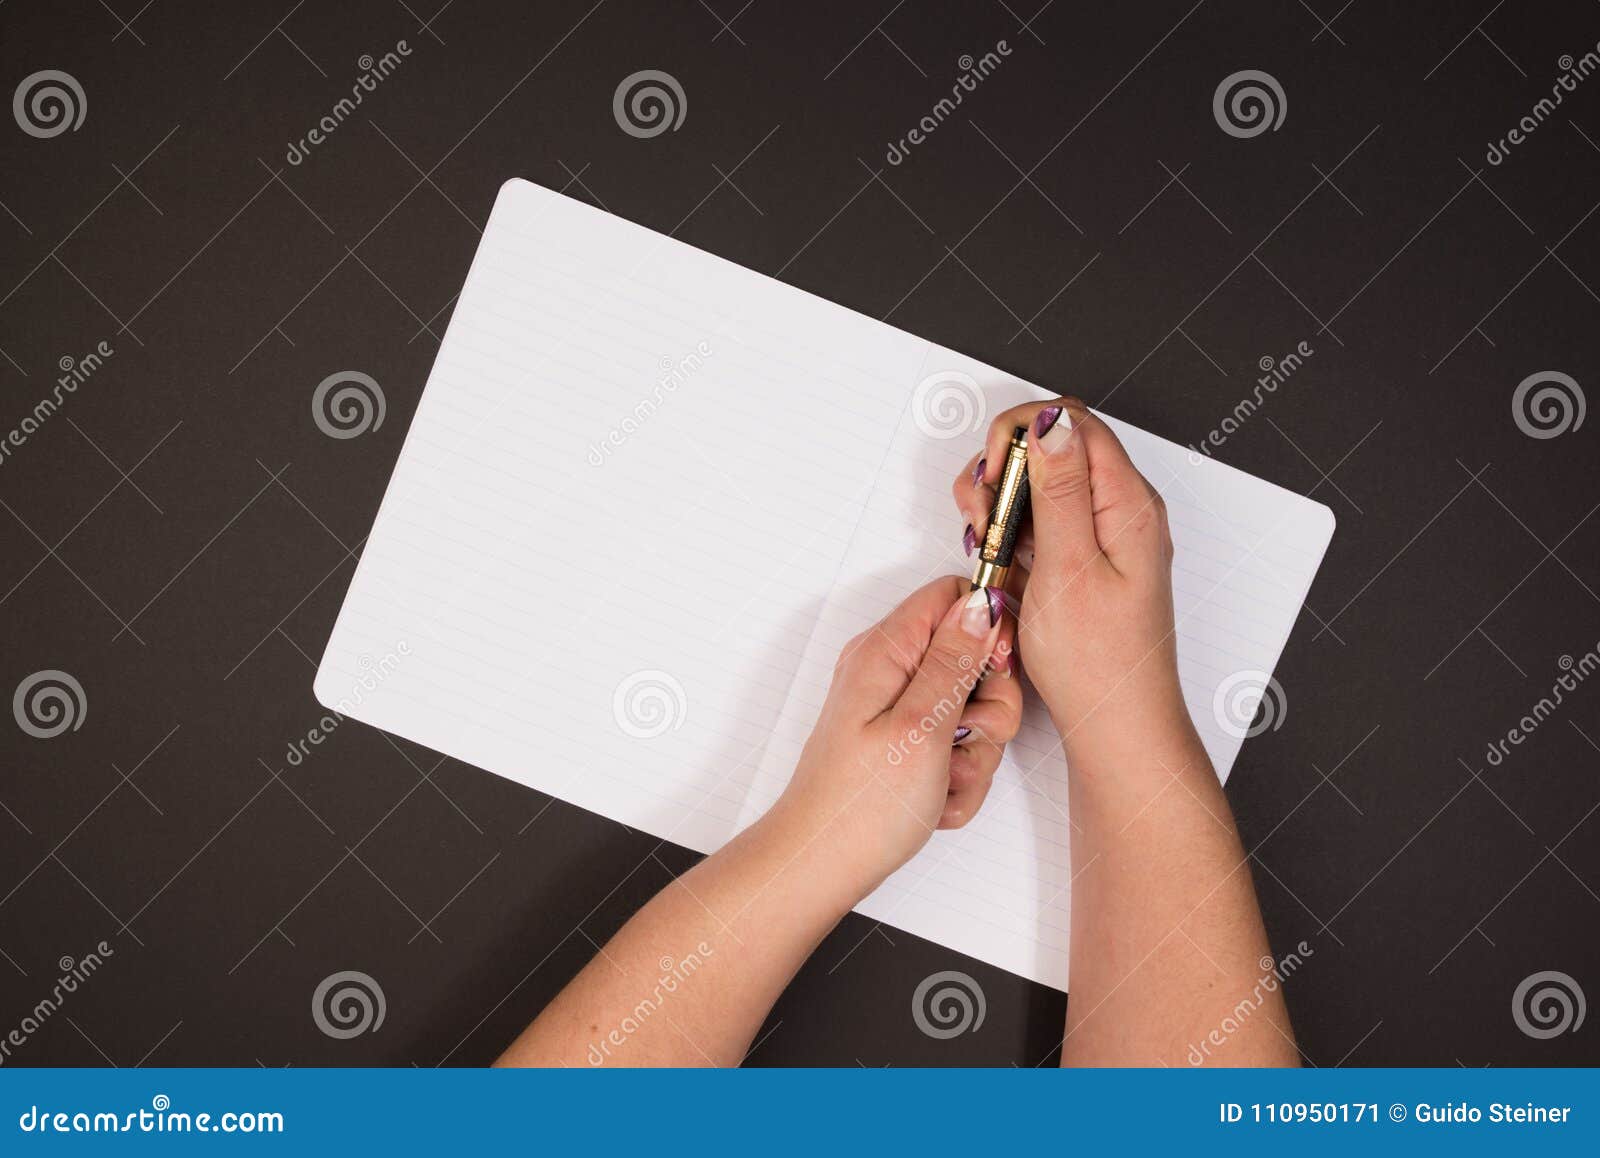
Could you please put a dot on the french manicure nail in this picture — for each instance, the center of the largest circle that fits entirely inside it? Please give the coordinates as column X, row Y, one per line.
column 1053, row 428
column 961, row 734
column 996, row 600
column 970, row 539
column 977, row 472
column 976, row 615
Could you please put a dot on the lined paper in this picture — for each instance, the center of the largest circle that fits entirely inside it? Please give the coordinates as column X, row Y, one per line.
column 646, row 497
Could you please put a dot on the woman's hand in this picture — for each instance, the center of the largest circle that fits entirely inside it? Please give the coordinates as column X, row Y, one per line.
column 920, row 709
column 899, row 750
column 1096, row 627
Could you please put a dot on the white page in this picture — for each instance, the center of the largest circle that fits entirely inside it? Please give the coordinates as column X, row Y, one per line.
column 530, row 587
column 545, row 605
column 1000, row 888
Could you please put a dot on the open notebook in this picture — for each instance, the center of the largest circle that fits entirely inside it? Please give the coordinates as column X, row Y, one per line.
column 646, row 497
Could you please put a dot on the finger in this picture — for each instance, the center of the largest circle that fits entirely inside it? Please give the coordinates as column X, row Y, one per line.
column 1061, row 494
column 1128, row 512
column 971, row 776
column 975, row 500
column 950, row 667
column 874, row 668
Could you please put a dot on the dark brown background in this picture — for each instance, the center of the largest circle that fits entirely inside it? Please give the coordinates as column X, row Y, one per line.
column 179, row 537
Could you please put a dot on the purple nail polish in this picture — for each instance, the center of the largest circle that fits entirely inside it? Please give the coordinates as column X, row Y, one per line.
column 977, row 472
column 997, row 603
column 1046, row 419
column 961, row 734
column 970, row 539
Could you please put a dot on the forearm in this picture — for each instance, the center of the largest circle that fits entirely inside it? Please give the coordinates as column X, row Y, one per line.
column 1167, row 937
column 689, row 979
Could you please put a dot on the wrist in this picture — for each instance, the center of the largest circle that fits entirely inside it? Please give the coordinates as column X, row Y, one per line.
column 804, row 856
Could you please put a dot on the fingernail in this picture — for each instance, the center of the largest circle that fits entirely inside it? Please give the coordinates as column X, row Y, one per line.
column 961, row 734
column 977, row 472
column 970, row 539
column 975, row 614
column 1052, row 428
column 995, row 600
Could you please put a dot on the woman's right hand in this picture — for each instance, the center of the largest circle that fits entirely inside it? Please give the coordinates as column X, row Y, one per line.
column 1096, row 628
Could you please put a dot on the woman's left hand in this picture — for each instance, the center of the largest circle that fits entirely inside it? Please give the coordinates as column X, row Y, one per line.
column 920, row 710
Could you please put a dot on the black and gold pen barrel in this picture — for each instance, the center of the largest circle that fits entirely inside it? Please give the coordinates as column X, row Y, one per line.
column 1005, row 521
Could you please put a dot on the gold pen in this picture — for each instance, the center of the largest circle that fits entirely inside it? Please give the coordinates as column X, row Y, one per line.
column 1005, row 521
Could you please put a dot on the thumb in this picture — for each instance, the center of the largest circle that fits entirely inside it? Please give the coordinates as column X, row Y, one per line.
column 930, row 707
column 1063, row 507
